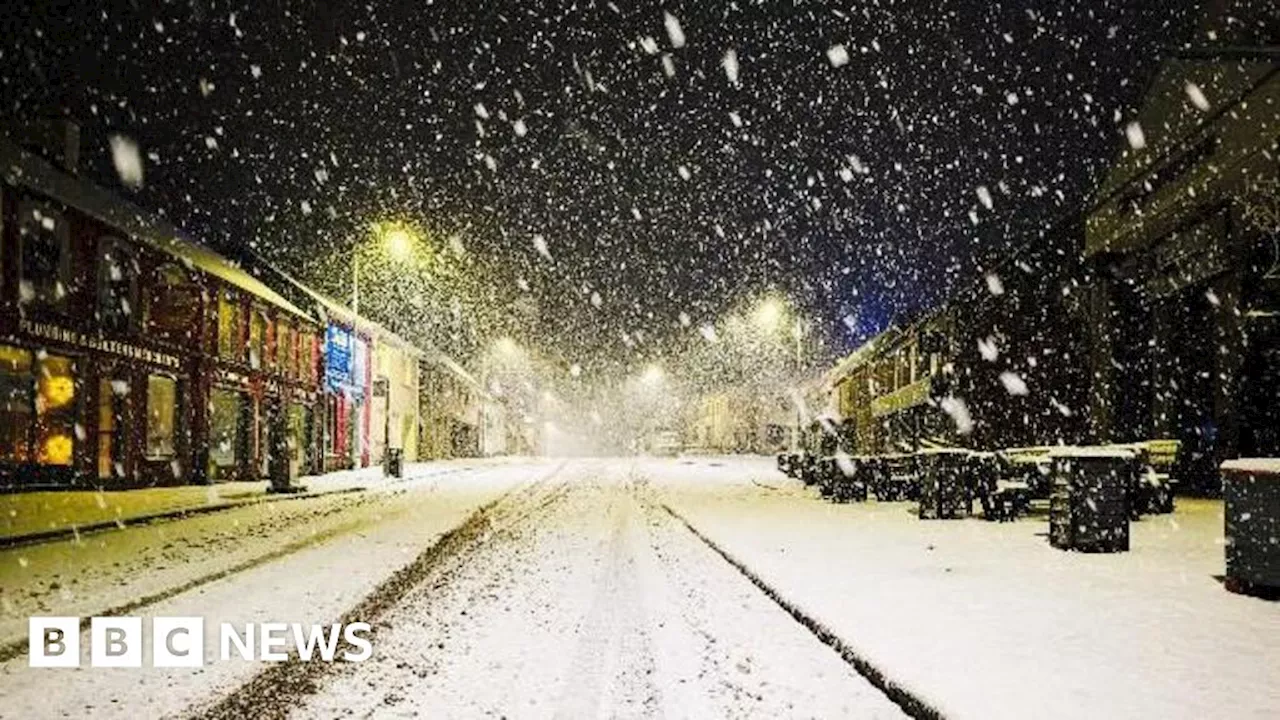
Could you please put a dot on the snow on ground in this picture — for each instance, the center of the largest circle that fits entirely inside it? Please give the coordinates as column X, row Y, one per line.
column 590, row 601
column 986, row 620
column 359, row 540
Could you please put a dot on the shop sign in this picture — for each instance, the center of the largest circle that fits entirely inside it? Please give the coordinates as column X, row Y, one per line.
column 337, row 356
column 115, row 347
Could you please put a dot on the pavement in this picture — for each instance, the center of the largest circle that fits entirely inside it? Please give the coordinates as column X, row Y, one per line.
column 699, row 587
column 27, row 517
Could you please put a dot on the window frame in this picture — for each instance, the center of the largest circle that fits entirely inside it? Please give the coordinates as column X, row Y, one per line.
column 114, row 244
column 176, row 417
column 62, row 233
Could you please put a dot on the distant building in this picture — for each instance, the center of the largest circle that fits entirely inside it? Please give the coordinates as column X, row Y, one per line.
column 1184, row 309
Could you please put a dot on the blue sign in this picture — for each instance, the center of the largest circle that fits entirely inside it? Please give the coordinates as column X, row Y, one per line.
column 337, row 357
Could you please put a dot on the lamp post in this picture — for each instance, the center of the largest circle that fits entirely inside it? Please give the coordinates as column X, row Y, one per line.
column 396, row 239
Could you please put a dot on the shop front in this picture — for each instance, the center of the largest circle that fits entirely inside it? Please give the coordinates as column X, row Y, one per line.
column 80, row 411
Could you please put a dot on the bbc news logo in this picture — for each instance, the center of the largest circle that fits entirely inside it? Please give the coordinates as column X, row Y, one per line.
column 179, row 642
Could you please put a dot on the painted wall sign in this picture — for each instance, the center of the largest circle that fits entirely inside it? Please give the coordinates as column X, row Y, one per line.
column 115, row 347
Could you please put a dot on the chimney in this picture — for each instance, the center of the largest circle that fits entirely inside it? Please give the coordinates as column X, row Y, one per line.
column 55, row 138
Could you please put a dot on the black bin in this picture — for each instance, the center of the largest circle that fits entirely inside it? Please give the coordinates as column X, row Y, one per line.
column 1251, row 513
column 944, row 493
column 1089, row 499
column 393, row 463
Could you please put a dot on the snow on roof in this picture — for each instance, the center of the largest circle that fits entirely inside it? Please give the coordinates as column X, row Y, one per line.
column 1253, row 466
column 27, row 169
column 1069, row 451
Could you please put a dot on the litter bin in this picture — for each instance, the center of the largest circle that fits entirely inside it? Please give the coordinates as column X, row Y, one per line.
column 944, row 494
column 1089, row 500
column 393, row 465
column 1251, row 513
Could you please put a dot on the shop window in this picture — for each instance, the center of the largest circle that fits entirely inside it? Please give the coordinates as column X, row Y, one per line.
column 45, row 249
column 257, row 337
column 162, row 414
column 17, row 407
column 117, row 285
column 173, row 302
column 228, row 326
column 224, row 432
column 55, row 410
column 113, row 399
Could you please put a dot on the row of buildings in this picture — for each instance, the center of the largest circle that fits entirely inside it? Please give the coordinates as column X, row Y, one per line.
column 132, row 356
column 1154, row 312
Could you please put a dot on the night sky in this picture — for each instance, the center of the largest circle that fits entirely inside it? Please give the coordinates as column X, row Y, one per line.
column 841, row 166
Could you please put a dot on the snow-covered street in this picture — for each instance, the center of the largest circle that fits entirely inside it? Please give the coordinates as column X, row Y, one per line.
column 693, row 587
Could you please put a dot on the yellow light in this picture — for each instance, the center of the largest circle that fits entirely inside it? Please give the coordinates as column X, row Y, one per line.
column 56, row 391
column 769, row 314
column 399, row 243
column 506, row 347
column 57, row 450
column 653, row 374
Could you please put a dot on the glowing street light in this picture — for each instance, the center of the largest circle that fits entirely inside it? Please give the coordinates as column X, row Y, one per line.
column 653, row 375
column 506, row 347
column 397, row 239
column 769, row 314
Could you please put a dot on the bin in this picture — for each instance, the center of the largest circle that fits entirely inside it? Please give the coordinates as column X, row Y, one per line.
column 1089, row 499
column 1251, row 514
column 393, row 464
column 944, row 494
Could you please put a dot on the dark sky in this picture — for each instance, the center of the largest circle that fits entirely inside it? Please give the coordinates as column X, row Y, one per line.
column 852, row 189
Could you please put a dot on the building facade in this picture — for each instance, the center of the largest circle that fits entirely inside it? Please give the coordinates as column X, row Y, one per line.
column 130, row 356
column 1185, row 340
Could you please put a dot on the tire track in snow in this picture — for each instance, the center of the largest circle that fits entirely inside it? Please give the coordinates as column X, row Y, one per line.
column 911, row 704
column 275, row 691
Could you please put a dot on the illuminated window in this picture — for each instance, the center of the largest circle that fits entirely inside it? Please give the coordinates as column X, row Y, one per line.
column 55, row 410
column 284, row 346
column 224, row 432
column 17, row 407
column 173, row 302
column 228, row 326
column 162, row 403
column 257, row 337
column 45, row 251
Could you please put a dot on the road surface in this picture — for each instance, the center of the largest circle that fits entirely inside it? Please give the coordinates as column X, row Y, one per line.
column 540, row 590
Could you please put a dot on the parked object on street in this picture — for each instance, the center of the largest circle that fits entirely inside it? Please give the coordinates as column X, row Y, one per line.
column 1251, row 514
column 944, row 492
column 1088, row 507
column 393, row 465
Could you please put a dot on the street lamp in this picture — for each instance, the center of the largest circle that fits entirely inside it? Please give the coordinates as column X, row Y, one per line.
column 653, row 375
column 396, row 239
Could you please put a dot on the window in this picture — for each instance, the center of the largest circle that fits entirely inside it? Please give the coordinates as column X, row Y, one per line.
column 17, row 408
column 173, row 302
column 113, row 408
column 284, row 348
column 228, row 326
column 257, row 337
column 224, row 432
column 162, row 403
column 55, row 410
column 117, row 285
column 45, row 247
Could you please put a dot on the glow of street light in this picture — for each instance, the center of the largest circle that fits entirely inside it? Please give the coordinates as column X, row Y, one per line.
column 506, row 347
column 653, row 374
column 769, row 314
column 399, row 243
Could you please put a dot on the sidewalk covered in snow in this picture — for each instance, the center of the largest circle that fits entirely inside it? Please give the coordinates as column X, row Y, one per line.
column 27, row 516
column 986, row 620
